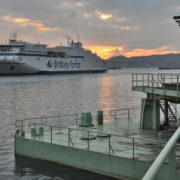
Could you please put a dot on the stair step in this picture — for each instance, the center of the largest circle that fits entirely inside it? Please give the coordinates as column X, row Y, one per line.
column 171, row 110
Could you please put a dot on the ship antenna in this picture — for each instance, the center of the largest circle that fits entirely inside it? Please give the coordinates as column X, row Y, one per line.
column 14, row 36
column 68, row 40
column 78, row 36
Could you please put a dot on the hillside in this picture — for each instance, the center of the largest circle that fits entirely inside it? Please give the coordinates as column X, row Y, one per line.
column 163, row 61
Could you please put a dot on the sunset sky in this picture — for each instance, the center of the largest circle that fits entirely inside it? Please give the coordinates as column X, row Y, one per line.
column 106, row 27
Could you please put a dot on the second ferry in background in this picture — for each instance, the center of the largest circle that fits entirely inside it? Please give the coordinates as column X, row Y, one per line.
column 19, row 57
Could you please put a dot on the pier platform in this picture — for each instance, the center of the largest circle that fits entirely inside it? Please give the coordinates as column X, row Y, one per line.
column 163, row 95
column 115, row 147
column 160, row 86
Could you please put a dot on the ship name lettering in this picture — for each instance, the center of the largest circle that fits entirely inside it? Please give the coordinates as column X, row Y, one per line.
column 61, row 64
column 75, row 64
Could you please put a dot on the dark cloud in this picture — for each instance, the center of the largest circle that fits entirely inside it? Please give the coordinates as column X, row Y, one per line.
column 134, row 23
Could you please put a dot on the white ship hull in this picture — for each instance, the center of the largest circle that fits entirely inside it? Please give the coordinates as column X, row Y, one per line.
column 23, row 58
column 8, row 67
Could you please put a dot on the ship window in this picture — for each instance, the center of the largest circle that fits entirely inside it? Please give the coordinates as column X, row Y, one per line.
column 56, row 54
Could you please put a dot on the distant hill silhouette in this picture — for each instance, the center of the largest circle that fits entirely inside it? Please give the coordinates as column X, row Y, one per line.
column 159, row 61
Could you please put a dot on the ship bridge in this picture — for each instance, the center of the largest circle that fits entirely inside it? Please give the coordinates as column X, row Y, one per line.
column 163, row 94
column 77, row 45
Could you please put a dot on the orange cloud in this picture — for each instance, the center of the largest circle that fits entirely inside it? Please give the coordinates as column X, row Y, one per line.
column 106, row 52
column 79, row 4
column 147, row 52
column 29, row 22
column 126, row 28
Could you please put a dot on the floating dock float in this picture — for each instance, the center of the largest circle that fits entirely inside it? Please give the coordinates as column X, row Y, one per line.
column 113, row 144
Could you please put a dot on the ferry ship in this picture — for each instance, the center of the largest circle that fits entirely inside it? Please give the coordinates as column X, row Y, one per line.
column 20, row 57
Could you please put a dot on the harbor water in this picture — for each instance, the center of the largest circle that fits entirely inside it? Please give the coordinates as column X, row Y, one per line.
column 45, row 95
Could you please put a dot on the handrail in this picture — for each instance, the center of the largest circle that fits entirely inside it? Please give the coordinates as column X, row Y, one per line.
column 97, row 132
column 155, row 80
column 45, row 117
column 155, row 167
column 75, row 115
column 41, row 118
column 176, row 112
column 93, row 131
column 123, row 111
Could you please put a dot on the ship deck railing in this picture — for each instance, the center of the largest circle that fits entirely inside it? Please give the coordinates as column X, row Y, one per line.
column 117, row 137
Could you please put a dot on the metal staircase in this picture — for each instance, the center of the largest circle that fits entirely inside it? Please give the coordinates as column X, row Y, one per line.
column 170, row 111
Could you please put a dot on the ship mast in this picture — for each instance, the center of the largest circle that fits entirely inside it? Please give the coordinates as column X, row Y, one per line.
column 14, row 36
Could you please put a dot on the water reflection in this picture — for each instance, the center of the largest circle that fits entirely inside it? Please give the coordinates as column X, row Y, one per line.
column 106, row 96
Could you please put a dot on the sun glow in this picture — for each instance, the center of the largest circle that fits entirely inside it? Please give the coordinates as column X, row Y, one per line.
column 148, row 52
column 104, row 16
column 106, row 52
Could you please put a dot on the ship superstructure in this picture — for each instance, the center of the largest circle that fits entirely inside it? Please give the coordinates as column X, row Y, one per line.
column 19, row 57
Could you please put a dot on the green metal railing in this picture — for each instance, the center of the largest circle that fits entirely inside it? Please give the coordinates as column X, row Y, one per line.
column 61, row 121
column 64, row 120
column 128, row 114
column 164, row 81
column 156, row 80
column 115, row 143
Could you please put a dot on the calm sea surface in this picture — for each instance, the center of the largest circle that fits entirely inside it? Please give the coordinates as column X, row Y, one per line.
column 32, row 96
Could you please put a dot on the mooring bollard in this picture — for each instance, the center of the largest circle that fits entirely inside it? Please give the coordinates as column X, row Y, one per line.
column 41, row 131
column 33, row 132
column 99, row 117
column 86, row 119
